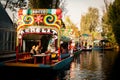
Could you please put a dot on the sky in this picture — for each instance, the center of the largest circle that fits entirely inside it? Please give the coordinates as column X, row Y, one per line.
column 78, row 7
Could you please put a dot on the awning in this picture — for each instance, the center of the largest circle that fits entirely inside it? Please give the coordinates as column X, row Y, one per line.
column 65, row 39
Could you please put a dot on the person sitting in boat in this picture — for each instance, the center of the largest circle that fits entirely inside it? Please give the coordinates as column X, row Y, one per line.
column 63, row 50
column 38, row 49
column 51, row 48
column 32, row 51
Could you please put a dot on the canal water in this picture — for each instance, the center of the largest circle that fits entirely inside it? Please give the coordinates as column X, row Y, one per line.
column 94, row 65
column 88, row 65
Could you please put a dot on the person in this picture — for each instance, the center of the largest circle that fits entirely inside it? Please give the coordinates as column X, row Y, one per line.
column 51, row 48
column 63, row 51
column 71, row 47
column 38, row 49
column 64, row 48
column 32, row 51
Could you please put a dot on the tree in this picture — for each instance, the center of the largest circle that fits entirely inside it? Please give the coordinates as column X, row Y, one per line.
column 106, row 26
column 90, row 21
column 12, row 4
column 114, row 19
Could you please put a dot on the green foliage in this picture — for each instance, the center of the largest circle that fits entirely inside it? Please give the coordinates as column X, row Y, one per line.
column 90, row 21
column 106, row 27
column 114, row 19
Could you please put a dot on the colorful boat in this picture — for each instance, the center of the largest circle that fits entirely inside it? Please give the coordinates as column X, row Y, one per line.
column 39, row 27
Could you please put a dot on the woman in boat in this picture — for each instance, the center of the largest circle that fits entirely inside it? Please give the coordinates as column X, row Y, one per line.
column 51, row 48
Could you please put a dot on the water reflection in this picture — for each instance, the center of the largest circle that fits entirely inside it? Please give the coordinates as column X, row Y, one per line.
column 93, row 65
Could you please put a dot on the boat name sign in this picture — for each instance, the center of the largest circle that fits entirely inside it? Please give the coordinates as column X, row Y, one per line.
column 35, row 29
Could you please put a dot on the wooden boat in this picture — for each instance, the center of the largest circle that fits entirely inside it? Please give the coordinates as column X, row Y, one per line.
column 36, row 27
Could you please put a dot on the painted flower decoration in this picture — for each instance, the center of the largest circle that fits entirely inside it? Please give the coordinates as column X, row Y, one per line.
column 39, row 19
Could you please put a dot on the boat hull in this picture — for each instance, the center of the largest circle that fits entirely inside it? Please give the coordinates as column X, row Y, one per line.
column 56, row 66
column 15, row 70
column 11, row 68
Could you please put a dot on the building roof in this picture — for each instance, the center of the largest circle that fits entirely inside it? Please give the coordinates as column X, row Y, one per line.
column 5, row 20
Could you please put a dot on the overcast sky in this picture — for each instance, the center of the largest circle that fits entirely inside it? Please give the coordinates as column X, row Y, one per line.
column 78, row 7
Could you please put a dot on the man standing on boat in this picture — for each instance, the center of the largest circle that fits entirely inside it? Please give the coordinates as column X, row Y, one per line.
column 71, row 47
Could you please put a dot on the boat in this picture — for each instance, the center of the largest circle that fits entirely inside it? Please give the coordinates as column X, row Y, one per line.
column 104, row 45
column 86, row 42
column 87, row 48
column 38, row 27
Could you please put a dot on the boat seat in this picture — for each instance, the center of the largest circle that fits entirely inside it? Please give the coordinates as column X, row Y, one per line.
column 25, row 57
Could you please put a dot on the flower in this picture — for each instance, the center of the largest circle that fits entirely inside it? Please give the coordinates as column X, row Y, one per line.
column 39, row 19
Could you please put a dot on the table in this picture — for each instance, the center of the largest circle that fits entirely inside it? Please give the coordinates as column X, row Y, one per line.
column 43, row 55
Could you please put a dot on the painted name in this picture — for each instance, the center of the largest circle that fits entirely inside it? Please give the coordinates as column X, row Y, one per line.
column 36, row 30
